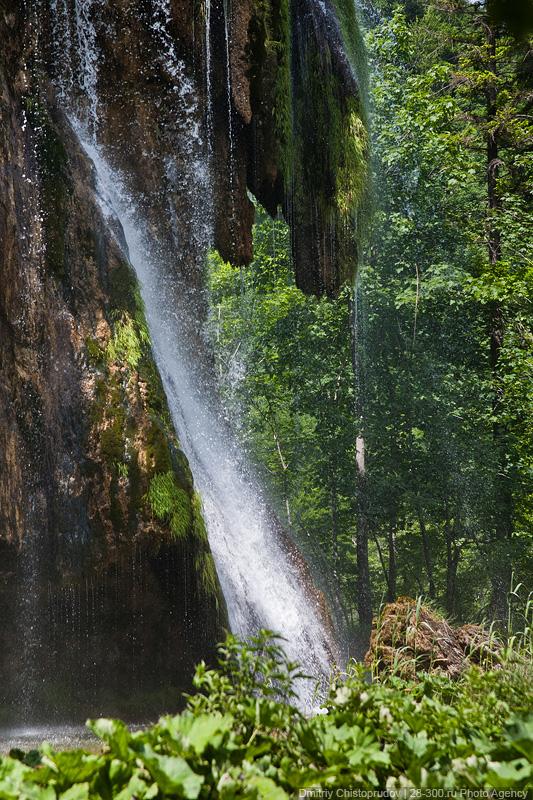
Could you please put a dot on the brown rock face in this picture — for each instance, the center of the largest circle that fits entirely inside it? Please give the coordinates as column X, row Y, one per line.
column 108, row 592
column 102, row 544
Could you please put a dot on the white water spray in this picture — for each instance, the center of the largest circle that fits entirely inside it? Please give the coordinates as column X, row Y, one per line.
column 88, row 54
column 208, row 91
column 261, row 575
column 262, row 584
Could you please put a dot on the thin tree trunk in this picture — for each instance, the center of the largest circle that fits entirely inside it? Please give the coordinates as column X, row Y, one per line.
column 364, row 591
column 427, row 556
column 453, row 553
column 334, row 525
column 384, row 566
column 501, row 577
column 391, row 541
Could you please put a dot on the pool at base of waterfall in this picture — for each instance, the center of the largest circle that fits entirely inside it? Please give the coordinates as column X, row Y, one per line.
column 61, row 737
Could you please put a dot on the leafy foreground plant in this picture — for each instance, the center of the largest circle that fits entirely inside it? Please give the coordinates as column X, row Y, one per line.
column 241, row 737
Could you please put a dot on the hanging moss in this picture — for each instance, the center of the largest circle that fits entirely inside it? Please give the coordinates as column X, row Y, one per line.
column 330, row 149
column 170, row 503
column 309, row 71
column 352, row 37
column 278, row 41
column 205, row 569
column 199, row 529
column 125, row 345
column 160, row 482
column 157, row 449
column 95, row 354
column 108, row 413
column 352, row 167
column 122, row 288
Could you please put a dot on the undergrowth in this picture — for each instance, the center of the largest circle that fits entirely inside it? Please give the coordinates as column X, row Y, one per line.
column 241, row 736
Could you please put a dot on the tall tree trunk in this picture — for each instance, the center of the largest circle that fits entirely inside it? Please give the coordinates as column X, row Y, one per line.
column 364, row 591
column 501, row 572
column 384, row 565
column 334, row 524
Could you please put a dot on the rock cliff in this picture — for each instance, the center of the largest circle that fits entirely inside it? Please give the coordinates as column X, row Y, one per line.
column 106, row 578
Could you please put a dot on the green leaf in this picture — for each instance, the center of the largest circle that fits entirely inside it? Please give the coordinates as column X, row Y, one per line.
column 78, row 792
column 506, row 775
column 173, row 774
column 266, row 788
column 198, row 732
column 114, row 733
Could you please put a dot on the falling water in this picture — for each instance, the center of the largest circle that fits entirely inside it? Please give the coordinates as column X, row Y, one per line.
column 208, row 91
column 231, row 144
column 88, row 55
column 262, row 578
column 63, row 45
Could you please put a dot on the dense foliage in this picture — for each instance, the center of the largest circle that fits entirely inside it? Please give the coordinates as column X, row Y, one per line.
column 284, row 363
column 395, row 426
column 447, row 305
column 240, row 737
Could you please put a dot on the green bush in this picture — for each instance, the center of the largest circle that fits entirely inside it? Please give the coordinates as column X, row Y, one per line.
column 242, row 737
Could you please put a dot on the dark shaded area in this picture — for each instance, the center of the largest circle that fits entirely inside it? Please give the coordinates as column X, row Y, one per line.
column 517, row 15
column 117, row 641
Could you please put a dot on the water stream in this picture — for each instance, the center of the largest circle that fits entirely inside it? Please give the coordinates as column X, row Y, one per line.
column 265, row 581
column 260, row 577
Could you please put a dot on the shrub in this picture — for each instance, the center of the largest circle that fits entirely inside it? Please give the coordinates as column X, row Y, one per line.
column 241, row 737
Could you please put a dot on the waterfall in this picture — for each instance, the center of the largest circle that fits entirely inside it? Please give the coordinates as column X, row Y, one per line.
column 88, row 55
column 231, row 144
column 262, row 576
column 261, row 581
column 208, row 91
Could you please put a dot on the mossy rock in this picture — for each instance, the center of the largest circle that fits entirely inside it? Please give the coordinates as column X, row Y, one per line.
column 56, row 183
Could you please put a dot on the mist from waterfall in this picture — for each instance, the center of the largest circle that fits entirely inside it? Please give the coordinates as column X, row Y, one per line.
column 263, row 578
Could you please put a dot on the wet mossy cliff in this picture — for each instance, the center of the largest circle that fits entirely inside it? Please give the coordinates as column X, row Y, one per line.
column 108, row 590
column 298, row 138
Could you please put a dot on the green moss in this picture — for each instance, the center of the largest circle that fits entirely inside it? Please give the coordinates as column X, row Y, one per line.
column 352, row 170
column 170, row 496
column 354, row 45
column 123, row 288
column 181, row 466
column 199, row 529
column 158, row 447
column 111, row 442
column 170, row 503
column 108, row 410
column 156, row 398
column 205, row 569
column 125, row 346
column 280, row 42
column 95, row 354
column 123, row 470
column 331, row 155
